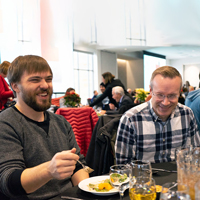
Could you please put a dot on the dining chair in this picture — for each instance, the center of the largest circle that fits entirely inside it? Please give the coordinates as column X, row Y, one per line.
column 83, row 121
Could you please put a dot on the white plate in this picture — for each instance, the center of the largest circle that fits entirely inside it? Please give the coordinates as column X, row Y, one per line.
column 83, row 185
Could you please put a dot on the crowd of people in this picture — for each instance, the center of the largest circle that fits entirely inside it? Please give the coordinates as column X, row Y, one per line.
column 39, row 152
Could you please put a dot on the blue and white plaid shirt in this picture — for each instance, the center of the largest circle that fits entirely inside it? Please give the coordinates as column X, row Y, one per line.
column 142, row 135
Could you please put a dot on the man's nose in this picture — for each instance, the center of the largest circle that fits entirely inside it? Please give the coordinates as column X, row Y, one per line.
column 166, row 101
column 44, row 84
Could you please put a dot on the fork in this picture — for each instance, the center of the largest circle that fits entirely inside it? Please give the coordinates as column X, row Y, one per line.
column 86, row 168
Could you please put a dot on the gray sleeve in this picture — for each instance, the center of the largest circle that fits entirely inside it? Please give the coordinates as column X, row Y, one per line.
column 62, row 102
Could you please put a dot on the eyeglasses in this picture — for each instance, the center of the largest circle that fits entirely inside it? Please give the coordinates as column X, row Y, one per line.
column 171, row 97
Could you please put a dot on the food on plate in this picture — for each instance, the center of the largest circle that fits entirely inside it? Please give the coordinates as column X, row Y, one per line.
column 115, row 177
column 158, row 188
column 102, row 186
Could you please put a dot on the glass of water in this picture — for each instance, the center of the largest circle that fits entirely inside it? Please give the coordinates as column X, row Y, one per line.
column 119, row 178
column 170, row 191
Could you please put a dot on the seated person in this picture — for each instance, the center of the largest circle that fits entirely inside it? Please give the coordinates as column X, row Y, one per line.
column 129, row 91
column 38, row 150
column 120, row 98
column 62, row 100
column 153, row 130
column 95, row 96
column 102, row 103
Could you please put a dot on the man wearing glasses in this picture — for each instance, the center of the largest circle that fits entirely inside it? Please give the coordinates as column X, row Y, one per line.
column 153, row 130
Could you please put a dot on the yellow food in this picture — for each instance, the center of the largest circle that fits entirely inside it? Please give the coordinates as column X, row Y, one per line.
column 158, row 188
column 106, row 186
column 103, row 186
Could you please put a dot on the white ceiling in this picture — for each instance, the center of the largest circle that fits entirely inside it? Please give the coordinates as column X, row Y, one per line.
column 170, row 28
column 171, row 52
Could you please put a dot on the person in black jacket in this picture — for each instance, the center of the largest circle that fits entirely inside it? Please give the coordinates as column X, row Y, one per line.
column 110, row 82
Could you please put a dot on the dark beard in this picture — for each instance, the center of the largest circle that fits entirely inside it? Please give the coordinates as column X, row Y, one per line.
column 31, row 102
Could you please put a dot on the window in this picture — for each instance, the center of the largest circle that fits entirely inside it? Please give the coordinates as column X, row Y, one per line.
column 83, row 75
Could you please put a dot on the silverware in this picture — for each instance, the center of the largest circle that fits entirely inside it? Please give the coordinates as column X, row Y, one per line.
column 164, row 170
column 72, row 198
column 86, row 168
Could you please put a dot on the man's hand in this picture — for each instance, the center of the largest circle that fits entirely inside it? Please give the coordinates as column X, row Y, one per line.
column 63, row 164
column 59, row 167
column 112, row 106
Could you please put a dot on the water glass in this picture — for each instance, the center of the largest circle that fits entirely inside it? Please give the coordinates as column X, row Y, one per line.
column 141, row 169
column 119, row 177
column 169, row 191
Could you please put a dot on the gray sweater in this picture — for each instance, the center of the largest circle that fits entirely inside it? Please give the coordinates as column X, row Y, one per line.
column 24, row 144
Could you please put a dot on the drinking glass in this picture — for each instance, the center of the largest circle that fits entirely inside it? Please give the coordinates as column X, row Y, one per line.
column 169, row 191
column 197, row 191
column 188, row 167
column 141, row 188
column 119, row 178
column 141, row 169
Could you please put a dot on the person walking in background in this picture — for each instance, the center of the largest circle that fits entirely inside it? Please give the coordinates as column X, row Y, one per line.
column 5, row 92
column 193, row 101
column 154, row 129
column 110, row 82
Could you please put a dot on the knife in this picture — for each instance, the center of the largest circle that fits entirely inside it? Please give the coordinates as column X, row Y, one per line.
column 72, row 198
column 164, row 170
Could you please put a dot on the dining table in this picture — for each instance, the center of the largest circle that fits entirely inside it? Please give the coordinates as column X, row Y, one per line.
column 160, row 177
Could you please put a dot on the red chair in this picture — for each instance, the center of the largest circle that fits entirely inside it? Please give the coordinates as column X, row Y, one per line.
column 56, row 101
column 83, row 121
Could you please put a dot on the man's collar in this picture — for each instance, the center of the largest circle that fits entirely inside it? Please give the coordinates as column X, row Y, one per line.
column 121, row 99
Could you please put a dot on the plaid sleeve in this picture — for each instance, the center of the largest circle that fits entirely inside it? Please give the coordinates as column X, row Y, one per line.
column 124, row 144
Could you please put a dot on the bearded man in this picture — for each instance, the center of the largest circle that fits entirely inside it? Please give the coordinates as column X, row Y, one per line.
column 38, row 150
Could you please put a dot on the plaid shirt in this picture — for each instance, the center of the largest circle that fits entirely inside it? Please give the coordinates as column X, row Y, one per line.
column 142, row 135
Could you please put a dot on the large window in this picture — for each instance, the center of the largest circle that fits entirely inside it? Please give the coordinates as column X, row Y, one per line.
column 151, row 62
column 83, row 75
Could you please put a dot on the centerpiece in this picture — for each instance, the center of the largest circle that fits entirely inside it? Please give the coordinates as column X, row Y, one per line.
column 141, row 95
column 72, row 99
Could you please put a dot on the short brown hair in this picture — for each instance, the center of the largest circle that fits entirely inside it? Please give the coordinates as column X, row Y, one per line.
column 69, row 90
column 166, row 72
column 4, row 67
column 108, row 77
column 28, row 63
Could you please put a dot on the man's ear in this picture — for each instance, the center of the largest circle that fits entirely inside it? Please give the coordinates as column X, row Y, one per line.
column 15, row 87
column 150, row 89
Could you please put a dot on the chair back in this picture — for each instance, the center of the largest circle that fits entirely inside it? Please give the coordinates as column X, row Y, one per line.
column 83, row 121
column 56, row 101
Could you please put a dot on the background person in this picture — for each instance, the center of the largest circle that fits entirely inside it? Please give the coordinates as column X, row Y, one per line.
column 95, row 96
column 193, row 101
column 5, row 92
column 129, row 91
column 120, row 98
column 38, row 150
column 110, row 82
column 62, row 100
column 154, row 129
